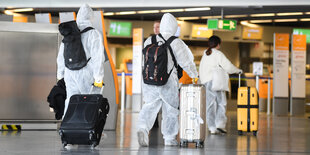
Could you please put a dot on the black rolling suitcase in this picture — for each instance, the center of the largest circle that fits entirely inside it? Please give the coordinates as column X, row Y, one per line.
column 84, row 120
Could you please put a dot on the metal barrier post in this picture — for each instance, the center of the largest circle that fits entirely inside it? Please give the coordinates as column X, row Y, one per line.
column 268, row 98
column 123, row 92
column 257, row 83
column 239, row 81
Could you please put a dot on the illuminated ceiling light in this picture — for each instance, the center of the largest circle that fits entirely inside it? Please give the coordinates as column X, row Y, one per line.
column 18, row 15
column 263, row 15
column 148, row 11
column 23, row 10
column 8, row 12
column 172, row 10
column 307, row 13
column 305, row 19
column 108, row 14
column 285, row 20
column 188, row 18
column 126, row 13
column 197, row 9
column 289, row 14
column 260, row 21
column 235, row 16
column 246, row 23
column 210, row 17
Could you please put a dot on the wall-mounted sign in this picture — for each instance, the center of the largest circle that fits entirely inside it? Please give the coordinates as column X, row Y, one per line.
column 227, row 24
column 213, row 24
column 66, row 16
column 201, row 31
column 222, row 24
column 304, row 32
column 43, row 18
column 258, row 68
column 122, row 29
column 255, row 33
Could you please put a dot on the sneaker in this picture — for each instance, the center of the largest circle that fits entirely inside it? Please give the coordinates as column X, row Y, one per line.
column 221, row 130
column 171, row 142
column 143, row 138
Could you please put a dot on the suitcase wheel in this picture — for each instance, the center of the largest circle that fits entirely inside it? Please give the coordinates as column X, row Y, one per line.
column 92, row 135
column 94, row 145
column 183, row 143
column 239, row 132
column 61, row 133
column 199, row 144
column 64, row 144
column 254, row 133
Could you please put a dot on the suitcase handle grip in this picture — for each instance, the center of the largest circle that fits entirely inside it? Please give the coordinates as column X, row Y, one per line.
column 92, row 88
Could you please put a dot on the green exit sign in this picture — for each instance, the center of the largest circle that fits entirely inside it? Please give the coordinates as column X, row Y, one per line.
column 227, row 24
column 222, row 24
column 120, row 29
column 213, row 24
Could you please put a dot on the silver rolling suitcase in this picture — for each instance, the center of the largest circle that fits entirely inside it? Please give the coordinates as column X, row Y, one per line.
column 192, row 114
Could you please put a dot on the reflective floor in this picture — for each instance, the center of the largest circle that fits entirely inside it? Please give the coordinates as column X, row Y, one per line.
column 277, row 135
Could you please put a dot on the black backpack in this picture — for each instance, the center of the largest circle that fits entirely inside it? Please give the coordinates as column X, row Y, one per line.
column 156, row 61
column 74, row 54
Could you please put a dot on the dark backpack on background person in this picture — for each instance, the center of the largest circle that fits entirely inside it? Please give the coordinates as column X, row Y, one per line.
column 74, row 54
column 155, row 58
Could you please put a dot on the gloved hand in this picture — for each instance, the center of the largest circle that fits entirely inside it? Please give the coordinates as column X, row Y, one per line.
column 194, row 80
column 98, row 83
column 240, row 71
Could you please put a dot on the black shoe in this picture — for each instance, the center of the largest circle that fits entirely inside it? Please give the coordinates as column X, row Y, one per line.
column 222, row 130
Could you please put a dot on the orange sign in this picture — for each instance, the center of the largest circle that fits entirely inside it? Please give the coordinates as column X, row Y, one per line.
column 299, row 42
column 21, row 19
column 201, row 31
column 137, row 36
column 282, row 41
column 252, row 33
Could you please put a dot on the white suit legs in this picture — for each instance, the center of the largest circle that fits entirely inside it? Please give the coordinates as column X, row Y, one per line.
column 170, row 122
column 216, row 108
column 220, row 118
column 148, row 115
column 165, row 97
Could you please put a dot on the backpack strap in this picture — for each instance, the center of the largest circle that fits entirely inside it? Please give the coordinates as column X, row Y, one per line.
column 154, row 39
column 86, row 29
column 167, row 44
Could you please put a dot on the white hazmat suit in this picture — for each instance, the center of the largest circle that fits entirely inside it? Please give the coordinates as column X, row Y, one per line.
column 80, row 81
column 216, row 100
column 166, row 96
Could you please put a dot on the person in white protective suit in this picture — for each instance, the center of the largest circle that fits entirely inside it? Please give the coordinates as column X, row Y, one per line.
column 80, row 81
column 216, row 100
column 165, row 97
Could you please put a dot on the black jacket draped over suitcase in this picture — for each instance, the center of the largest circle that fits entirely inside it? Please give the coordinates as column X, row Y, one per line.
column 57, row 97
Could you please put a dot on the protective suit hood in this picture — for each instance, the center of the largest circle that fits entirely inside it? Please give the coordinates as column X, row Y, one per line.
column 85, row 17
column 168, row 25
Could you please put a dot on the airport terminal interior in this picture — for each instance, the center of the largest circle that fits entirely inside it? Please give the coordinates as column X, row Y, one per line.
column 269, row 40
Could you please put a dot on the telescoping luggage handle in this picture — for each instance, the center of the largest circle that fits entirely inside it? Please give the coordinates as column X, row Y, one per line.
column 92, row 87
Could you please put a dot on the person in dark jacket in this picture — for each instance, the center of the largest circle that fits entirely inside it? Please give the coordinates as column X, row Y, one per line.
column 57, row 98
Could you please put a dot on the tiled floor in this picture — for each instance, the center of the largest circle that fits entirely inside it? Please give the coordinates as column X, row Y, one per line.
column 277, row 135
